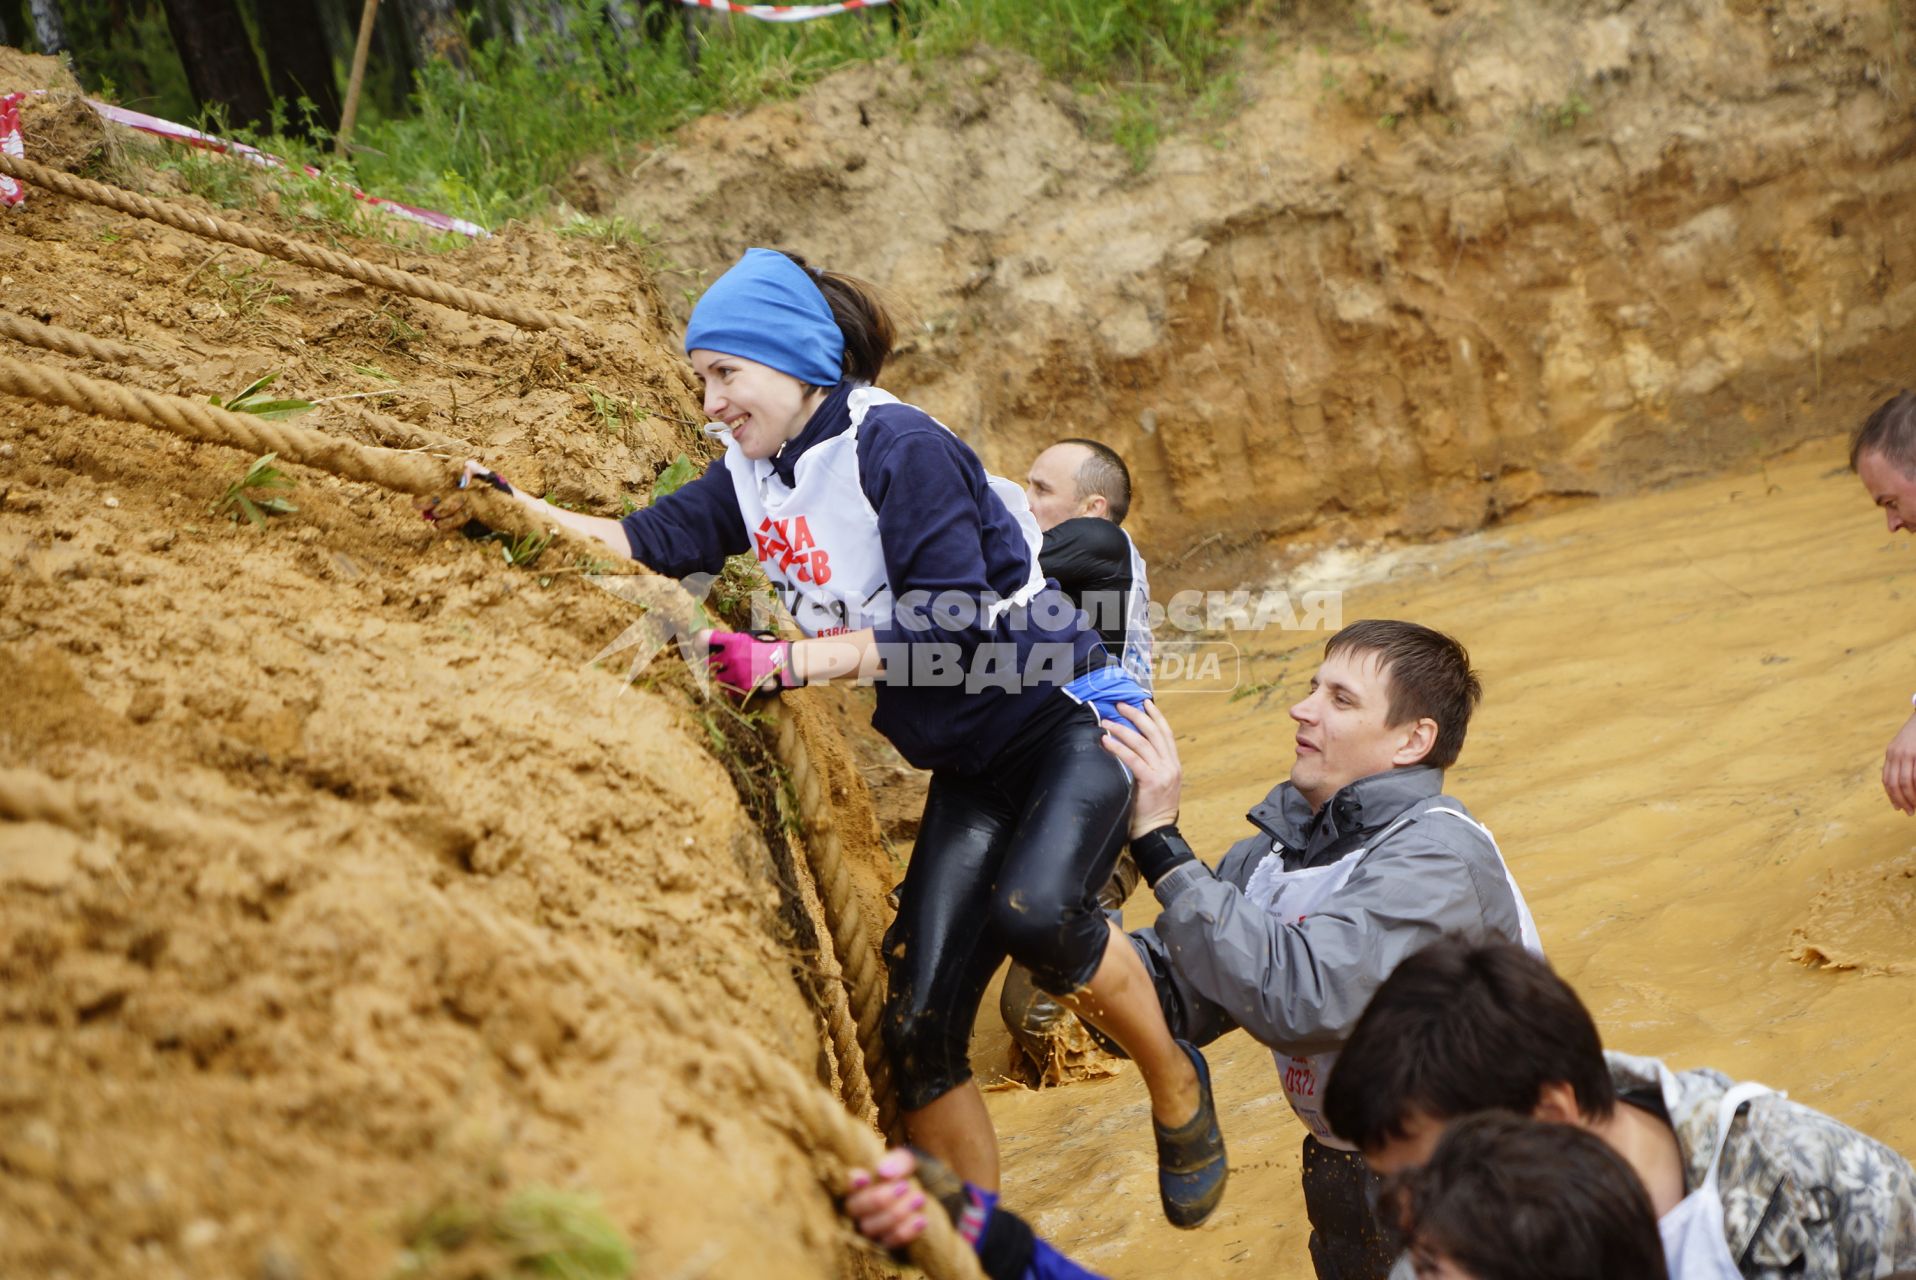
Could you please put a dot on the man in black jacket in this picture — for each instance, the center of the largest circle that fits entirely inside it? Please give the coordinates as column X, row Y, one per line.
column 1080, row 492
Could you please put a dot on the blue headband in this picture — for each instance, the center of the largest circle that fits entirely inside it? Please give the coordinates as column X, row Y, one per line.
column 766, row 308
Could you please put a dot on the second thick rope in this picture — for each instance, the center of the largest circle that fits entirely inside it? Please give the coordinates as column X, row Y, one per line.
column 278, row 246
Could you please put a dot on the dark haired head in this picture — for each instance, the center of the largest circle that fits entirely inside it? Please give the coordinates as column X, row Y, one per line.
column 1890, row 431
column 861, row 315
column 1429, row 675
column 1103, row 472
column 1458, row 1029
column 1509, row 1198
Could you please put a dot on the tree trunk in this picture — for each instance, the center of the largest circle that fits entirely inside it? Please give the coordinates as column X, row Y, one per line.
column 298, row 64
column 219, row 60
column 437, row 33
column 48, row 30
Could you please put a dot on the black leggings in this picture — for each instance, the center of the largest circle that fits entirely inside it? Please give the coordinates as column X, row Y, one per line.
column 1009, row 861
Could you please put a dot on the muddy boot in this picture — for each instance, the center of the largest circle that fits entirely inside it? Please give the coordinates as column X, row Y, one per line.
column 1191, row 1164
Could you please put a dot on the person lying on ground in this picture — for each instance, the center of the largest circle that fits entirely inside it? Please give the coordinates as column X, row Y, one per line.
column 1080, row 493
column 1356, row 861
column 1504, row 1197
column 888, row 1209
column 1883, row 455
column 1744, row 1182
column 907, row 565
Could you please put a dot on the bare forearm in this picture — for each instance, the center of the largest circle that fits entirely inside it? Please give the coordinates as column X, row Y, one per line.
column 854, row 653
column 607, row 531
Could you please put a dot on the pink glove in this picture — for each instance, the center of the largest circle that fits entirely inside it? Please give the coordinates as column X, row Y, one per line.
column 747, row 662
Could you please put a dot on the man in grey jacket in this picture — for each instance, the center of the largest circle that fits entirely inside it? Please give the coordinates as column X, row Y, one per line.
column 1356, row 862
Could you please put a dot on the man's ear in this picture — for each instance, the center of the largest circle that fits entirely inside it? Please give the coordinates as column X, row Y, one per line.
column 1557, row 1104
column 1423, row 736
column 1098, row 505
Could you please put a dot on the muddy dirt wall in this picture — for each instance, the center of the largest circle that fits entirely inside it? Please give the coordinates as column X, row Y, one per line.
column 1445, row 261
column 337, row 880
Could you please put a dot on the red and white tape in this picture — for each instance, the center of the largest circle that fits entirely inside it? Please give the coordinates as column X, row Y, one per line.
column 266, row 160
column 784, row 12
column 11, row 193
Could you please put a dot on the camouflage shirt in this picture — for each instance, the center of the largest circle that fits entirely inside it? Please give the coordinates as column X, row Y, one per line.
column 1803, row 1196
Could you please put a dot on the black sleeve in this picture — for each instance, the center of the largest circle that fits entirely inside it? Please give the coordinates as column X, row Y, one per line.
column 1086, row 554
column 691, row 530
column 1091, row 559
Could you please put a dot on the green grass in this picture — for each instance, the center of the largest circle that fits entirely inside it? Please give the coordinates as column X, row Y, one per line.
column 538, row 1232
column 252, row 494
column 498, row 141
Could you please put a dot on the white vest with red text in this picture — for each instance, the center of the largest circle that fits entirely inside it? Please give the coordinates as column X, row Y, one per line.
column 817, row 538
column 1137, row 622
column 1292, row 895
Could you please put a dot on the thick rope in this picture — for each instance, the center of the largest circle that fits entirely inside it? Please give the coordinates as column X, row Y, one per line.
column 940, row 1252
column 848, row 1056
column 413, row 473
column 819, row 1118
column 849, row 937
column 278, row 246
column 209, row 423
column 406, row 472
column 74, row 343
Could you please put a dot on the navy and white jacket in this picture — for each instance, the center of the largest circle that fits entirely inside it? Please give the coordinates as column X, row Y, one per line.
column 942, row 530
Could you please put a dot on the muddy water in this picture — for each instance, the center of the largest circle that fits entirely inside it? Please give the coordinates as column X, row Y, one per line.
column 1687, row 698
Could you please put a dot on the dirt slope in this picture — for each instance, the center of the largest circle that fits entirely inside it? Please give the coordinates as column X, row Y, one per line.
column 366, row 868
column 1447, row 260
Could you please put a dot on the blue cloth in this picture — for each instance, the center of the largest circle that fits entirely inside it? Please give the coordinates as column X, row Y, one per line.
column 942, row 530
column 1102, row 690
column 766, row 308
column 1046, row 1263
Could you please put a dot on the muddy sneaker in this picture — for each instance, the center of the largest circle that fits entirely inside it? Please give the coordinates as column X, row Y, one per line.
column 1191, row 1164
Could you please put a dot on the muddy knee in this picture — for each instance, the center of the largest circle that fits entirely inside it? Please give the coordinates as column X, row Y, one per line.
column 1061, row 945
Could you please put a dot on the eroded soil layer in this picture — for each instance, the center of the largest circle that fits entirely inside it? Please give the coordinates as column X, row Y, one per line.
column 1438, row 264
column 365, row 867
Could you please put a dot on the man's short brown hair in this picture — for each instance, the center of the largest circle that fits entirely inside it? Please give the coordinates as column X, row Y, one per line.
column 1890, row 431
column 1458, row 1029
column 1103, row 472
column 1428, row 674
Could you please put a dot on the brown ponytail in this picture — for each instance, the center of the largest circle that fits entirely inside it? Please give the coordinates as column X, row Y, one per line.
column 861, row 315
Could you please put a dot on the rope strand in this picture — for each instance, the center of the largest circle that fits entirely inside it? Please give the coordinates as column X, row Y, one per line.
column 278, row 246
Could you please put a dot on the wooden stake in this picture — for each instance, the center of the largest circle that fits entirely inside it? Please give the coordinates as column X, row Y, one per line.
column 344, row 138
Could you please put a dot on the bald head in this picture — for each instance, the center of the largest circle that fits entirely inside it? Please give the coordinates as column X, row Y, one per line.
column 1078, row 478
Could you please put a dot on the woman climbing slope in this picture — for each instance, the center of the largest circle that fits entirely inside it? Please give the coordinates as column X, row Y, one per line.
column 907, row 565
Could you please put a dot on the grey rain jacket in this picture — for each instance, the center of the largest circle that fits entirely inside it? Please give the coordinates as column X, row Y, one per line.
column 1220, row 962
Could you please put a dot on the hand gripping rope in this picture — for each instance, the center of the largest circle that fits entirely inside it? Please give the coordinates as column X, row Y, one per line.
column 413, row 473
